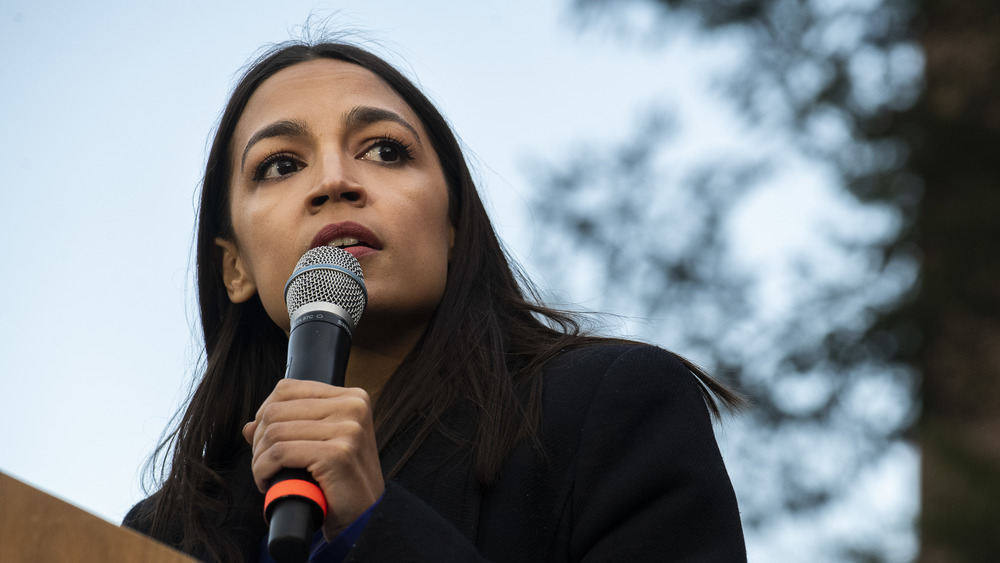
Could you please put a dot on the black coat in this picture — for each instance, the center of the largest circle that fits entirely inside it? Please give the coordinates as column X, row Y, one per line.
column 630, row 472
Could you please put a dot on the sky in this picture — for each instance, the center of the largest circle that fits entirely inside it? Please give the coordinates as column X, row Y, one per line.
column 106, row 110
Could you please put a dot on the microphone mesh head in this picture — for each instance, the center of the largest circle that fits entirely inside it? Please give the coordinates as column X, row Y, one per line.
column 321, row 275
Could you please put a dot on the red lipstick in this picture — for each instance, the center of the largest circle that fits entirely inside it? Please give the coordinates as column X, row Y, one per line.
column 367, row 243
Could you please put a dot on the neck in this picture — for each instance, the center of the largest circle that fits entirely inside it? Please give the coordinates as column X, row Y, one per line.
column 375, row 355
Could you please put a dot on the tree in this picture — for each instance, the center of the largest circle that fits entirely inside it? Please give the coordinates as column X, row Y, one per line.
column 836, row 372
column 958, row 309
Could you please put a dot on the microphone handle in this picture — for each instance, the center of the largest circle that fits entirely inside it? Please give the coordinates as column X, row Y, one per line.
column 319, row 345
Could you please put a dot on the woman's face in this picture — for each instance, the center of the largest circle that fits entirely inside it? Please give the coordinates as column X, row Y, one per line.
column 327, row 153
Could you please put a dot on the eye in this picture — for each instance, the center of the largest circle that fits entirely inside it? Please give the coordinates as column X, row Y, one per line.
column 388, row 151
column 276, row 166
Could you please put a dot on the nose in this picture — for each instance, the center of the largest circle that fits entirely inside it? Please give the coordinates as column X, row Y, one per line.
column 336, row 183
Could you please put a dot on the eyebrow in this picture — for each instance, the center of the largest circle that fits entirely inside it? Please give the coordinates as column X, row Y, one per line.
column 284, row 128
column 359, row 116
column 366, row 115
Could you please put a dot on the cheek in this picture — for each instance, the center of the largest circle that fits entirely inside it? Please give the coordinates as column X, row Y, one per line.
column 438, row 256
column 438, row 234
column 412, row 281
column 270, row 274
column 256, row 230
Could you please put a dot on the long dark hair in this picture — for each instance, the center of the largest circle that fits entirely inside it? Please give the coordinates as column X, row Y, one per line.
column 484, row 345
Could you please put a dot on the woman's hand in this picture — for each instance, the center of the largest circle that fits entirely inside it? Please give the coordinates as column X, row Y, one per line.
column 328, row 431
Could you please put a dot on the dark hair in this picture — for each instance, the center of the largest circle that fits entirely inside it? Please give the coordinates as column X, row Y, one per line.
column 484, row 345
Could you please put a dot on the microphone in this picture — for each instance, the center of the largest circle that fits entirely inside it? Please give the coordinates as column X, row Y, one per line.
column 325, row 296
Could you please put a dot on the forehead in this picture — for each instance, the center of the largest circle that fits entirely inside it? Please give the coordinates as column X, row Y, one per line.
column 322, row 87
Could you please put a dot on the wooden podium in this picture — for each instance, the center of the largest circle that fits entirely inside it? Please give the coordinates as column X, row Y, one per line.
column 36, row 527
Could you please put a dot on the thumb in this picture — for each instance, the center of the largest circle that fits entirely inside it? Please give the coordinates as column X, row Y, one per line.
column 248, row 431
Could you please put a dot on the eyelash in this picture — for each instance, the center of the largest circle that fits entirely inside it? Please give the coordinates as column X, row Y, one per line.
column 405, row 155
column 261, row 169
column 405, row 149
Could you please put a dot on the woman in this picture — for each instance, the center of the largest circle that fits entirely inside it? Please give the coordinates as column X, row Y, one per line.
column 473, row 424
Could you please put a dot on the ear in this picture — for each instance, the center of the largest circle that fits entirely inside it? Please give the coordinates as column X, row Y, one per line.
column 239, row 283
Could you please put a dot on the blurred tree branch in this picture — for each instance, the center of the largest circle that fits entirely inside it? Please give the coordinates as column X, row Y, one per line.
column 899, row 101
column 835, row 373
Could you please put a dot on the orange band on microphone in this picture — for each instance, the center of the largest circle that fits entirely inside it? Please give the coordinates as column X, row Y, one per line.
column 297, row 488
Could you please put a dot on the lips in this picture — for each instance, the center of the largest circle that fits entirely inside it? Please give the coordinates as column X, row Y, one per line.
column 352, row 237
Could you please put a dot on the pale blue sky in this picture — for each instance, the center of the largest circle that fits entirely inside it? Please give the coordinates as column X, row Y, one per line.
column 105, row 112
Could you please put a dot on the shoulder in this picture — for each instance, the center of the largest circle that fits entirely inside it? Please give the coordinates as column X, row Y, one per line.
column 614, row 367
column 593, row 393
column 605, row 355
column 638, row 443
column 631, row 388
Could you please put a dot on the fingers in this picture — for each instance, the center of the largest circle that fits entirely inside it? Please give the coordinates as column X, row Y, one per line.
column 248, row 431
column 330, row 448
column 304, row 400
column 336, row 404
column 291, row 389
column 346, row 404
column 307, row 411
column 326, row 430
